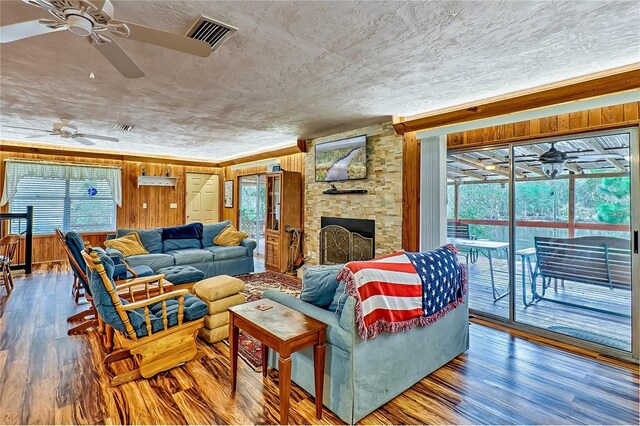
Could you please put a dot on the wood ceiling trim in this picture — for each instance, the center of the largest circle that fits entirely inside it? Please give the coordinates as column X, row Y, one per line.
column 594, row 85
column 30, row 148
column 279, row 152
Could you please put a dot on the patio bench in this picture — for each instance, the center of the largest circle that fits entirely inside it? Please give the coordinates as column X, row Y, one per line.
column 598, row 260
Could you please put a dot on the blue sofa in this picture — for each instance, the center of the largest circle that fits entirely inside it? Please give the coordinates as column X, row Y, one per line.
column 361, row 376
column 200, row 253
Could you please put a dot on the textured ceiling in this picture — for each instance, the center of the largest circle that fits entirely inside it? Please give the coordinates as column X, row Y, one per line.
column 301, row 69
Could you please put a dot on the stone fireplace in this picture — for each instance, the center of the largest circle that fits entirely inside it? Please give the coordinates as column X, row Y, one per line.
column 381, row 206
column 346, row 240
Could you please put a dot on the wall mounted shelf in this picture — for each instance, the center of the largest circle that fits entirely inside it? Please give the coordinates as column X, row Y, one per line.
column 335, row 191
column 158, row 181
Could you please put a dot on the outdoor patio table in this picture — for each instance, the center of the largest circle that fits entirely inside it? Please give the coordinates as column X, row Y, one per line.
column 486, row 248
column 525, row 256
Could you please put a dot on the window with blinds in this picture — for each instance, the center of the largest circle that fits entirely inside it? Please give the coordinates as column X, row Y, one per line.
column 68, row 204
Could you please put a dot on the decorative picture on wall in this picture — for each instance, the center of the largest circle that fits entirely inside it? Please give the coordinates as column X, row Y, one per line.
column 228, row 193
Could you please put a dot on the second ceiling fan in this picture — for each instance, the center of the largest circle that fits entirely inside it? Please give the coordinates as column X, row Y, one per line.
column 66, row 130
column 94, row 21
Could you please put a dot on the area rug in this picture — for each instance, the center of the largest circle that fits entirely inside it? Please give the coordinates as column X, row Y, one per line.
column 249, row 348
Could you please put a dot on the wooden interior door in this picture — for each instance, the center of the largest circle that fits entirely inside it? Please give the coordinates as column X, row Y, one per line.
column 202, row 198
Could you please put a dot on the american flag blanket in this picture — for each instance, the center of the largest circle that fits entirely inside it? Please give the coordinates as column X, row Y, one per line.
column 402, row 290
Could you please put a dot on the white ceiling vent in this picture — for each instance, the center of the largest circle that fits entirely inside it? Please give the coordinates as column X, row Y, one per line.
column 211, row 31
column 123, row 127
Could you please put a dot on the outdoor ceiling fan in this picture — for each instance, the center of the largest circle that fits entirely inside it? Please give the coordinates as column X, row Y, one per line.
column 93, row 21
column 552, row 162
column 66, row 130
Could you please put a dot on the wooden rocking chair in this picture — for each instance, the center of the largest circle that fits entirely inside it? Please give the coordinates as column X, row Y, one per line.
column 89, row 319
column 154, row 344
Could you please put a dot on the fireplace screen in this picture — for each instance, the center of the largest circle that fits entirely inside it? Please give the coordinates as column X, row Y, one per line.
column 339, row 245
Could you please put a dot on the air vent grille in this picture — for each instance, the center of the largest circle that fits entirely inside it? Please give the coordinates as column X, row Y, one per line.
column 211, row 31
column 123, row 127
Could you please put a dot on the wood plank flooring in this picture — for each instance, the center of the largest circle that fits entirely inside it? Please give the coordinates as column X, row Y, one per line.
column 48, row 377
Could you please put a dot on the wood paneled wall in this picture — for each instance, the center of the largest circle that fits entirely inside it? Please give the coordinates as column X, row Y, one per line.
column 557, row 125
column 131, row 214
column 292, row 163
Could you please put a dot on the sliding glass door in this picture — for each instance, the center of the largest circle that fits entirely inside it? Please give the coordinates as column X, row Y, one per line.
column 573, row 234
column 252, row 209
column 549, row 231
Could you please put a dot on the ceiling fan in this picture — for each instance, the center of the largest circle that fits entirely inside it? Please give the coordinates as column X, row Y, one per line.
column 66, row 130
column 92, row 19
column 552, row 162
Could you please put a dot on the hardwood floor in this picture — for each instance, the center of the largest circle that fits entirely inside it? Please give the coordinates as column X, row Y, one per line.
column 49, row 377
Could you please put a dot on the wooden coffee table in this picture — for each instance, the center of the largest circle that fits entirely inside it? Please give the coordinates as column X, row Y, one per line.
column 286, row 331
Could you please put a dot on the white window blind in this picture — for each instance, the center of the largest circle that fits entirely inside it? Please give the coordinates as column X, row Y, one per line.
column 68, row 201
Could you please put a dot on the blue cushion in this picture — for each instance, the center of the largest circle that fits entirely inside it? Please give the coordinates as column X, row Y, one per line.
column 190, row 256
column 319, row 285
column 211, row 230
column 179, row 244
column 101, row 298
column 155, row 261
column 141, row 270
column 190, row 231
column 182, row 274
column 151, row 238
column 194, row 308
column 339, row 299
column 75, row 244
column 227, row 252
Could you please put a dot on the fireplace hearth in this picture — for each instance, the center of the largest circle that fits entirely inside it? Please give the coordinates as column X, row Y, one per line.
column 345, row 240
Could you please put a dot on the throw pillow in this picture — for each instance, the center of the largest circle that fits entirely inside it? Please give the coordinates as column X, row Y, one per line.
column 319, row 285
column 128, row 245
column 230, row 236
column 339, row 299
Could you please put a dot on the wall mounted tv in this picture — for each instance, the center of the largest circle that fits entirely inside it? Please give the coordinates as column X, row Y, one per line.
column 344, row 159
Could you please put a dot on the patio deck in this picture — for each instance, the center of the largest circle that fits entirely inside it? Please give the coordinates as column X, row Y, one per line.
column 609, row 329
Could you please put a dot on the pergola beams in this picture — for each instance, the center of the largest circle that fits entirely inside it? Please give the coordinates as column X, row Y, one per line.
column 475, row 163
column 520, row 166
column 595, row 144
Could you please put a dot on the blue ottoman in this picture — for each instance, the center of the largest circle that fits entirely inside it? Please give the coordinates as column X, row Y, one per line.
column 177, row 275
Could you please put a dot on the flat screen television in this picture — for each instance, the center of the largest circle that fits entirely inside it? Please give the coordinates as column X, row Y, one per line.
column 344, row 159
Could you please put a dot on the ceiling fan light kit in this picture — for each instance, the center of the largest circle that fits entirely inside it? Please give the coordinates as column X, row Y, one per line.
column 94, row 21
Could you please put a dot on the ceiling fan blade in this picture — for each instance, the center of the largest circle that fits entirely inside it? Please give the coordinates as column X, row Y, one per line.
column 103, row 138
column 159, row 38
column 595, row 157
column 39, row 136
column 27, row 128
column 83, row 141
column 21, row 30
column 118, row 58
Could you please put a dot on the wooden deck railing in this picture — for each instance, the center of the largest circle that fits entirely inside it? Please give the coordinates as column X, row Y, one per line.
column 545, row 224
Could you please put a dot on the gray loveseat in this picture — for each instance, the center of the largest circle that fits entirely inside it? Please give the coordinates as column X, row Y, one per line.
column 361, row 376
column 200, row 253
